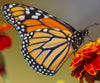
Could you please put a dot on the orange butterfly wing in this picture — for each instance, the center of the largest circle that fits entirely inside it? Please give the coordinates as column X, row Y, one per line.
column 26, row 19
column 47, row 49
column 45, row 44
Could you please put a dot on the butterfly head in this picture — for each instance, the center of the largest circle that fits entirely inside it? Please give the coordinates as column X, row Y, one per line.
column 85, row 32
column 78, row 37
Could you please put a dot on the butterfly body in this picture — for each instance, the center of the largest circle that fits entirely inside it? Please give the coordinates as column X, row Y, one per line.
column 47, row 41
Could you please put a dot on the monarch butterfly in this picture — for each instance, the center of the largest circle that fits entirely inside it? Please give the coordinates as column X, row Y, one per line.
column 47, row 41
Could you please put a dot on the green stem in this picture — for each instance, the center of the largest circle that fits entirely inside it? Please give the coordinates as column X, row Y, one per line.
column 5, row 77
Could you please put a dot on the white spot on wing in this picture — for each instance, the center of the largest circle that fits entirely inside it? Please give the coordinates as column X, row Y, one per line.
column 23, row 29
column 48, row 70
column 68, row 39
column 27, row 12
column 38, row 14
column 31, row 33
column 25, row 37
column 9, row 14
column 31, row 8
column 19, row 22
column 18, row 28
column 12, row 18
column 21, row 35
column 27, row 9
column 40, row 70
column 57, row 29
column 38, row 30
column 41, row 67
column 26, row 41
column 29, row 62
column 5, row 7
column 52, row 71
column 45, row 16
column 40, row 11
column 32, row 60
column 50, row 15
column 29, row 37
column 35, row 68
column 22, row 17
column 23, row 46
column 19, row 32
column 8, row 9
column 10, row 6
column 44, row 69
column 34, row 17
column 12, row 21
column 34, row 63
column 27, row 34
column 32, row 66
column 45, row 30
column 13, row 4
column 22, row 26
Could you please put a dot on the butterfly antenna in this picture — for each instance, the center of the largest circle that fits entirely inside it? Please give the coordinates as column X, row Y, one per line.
column 95, row 24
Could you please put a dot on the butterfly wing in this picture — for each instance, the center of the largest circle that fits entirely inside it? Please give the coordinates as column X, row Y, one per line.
column 47, row 49
column 26, row 19
column 45, row 43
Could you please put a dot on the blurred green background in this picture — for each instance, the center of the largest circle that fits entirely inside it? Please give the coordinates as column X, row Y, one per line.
column 78, row 13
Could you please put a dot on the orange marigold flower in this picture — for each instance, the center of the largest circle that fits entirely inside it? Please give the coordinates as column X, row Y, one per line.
column 86, row 60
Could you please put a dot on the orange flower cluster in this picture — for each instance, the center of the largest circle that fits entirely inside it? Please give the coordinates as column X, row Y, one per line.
column 5, row 40
column 86, row 60
column 5, row 27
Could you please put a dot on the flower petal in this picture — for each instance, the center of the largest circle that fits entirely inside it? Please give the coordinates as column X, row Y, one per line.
column 98, row 40
column 90, row 69
column 86, row 60
column 76, row 60
column 5, row 41
column 5, row 27
column 78, row 72
column 94, row 66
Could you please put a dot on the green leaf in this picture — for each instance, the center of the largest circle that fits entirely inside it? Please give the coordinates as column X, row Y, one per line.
column 98, row 75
